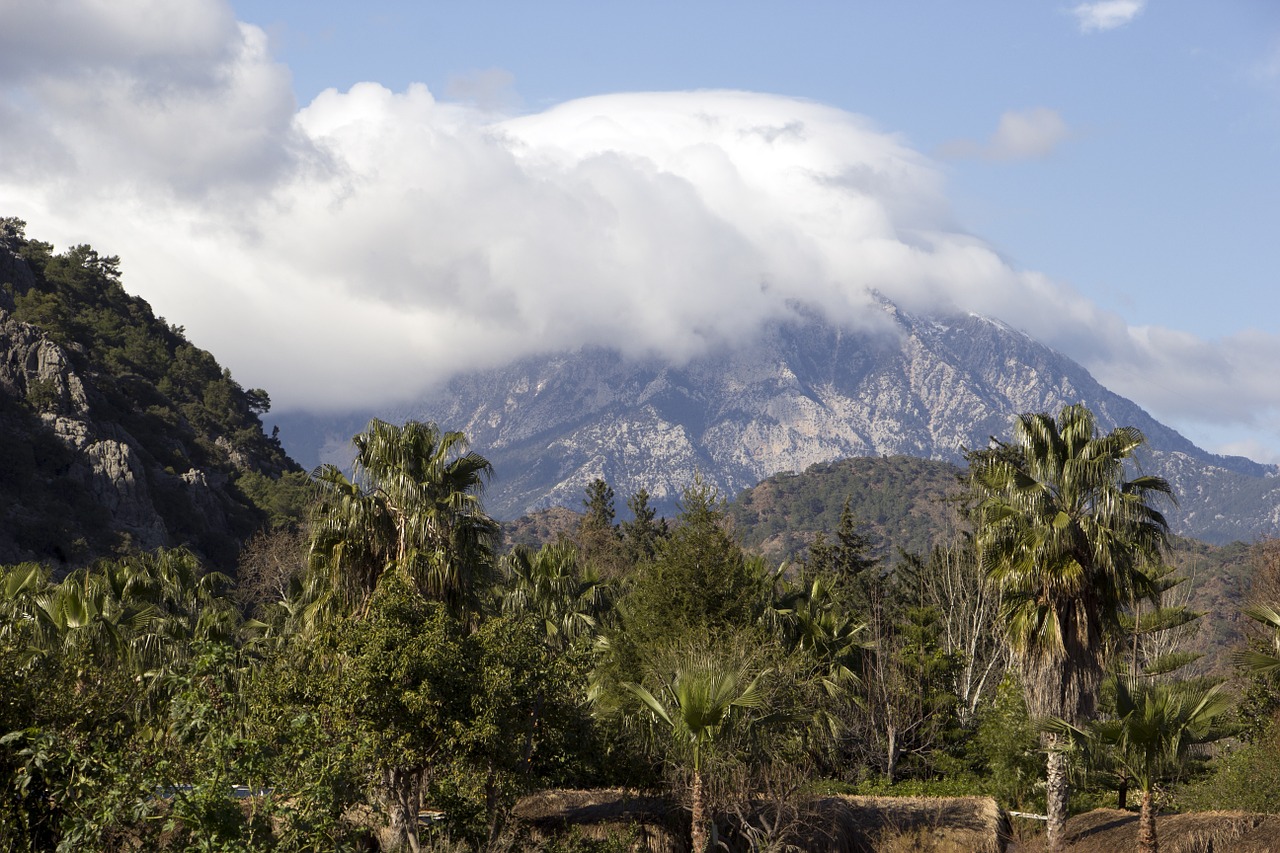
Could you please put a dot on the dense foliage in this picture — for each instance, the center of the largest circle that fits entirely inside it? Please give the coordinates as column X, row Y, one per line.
column 898, row 500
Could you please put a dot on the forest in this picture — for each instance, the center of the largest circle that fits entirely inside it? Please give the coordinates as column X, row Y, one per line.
column 381, row 673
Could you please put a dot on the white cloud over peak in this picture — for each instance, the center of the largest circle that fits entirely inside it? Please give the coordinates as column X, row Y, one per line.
column 1106, row 14
column 373, row 242
column 1021, row 135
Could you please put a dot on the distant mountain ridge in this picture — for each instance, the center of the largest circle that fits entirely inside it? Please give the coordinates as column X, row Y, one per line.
column 803, row 392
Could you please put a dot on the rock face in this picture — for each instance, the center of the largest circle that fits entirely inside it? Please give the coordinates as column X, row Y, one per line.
column 804, row 392
column 76, row 483
column 104, row 460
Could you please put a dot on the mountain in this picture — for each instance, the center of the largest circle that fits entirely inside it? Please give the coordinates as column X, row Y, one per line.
column 115, row 432
column 805, row 391
column 898, row 502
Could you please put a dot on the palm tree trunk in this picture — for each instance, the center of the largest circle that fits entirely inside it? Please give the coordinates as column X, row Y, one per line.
column 698, row 832
column 1056, row 795
column 1147, row 841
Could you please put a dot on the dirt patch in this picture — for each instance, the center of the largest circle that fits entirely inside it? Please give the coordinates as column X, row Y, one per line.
column 1109, row 830
column 838, row 825
column 657, row 826
column 910, row 825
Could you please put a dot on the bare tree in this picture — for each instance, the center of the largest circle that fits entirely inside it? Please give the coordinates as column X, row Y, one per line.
column 268, row 563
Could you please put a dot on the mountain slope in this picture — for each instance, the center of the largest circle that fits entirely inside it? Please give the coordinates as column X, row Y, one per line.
column 803, row 392
column 117, row 432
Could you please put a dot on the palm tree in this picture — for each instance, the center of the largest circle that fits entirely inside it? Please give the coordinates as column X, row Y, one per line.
column 1255, row 660
column 413, row 505
column 548, row 583
column 1064, row 537
column 809, row 619
column 702, row 703
column 1156, row 727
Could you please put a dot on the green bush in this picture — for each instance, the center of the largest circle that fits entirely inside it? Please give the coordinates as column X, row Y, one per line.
column 1246, row 778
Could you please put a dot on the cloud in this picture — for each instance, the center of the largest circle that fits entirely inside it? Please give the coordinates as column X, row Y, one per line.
column 1106, row 14
column 1021, row 135
column 178, row 98
column 356, row 250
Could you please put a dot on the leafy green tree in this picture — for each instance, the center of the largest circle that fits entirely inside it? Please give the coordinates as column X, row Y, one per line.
column 1244, row 777
column 700, row 582
column 1064, row 536
column 285, row 499
column 207, row 745
column 1156, row 727
column 295, row 706
column 524, row 695
column 404, row 671
column 1007, row 743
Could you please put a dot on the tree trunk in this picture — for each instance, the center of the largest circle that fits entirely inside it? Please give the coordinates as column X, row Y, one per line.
column 1122, row 792
column 1147, row 841
column 698, row 833
column 402, row 809
column 1056, row 796
column 891, row 762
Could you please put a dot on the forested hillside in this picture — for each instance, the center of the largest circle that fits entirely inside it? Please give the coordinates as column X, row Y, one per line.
column 118, row 433
column 899, row 502
column 906, row 505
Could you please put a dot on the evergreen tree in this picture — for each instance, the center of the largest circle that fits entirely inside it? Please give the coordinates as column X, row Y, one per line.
column 599, row 541
column 847, row 562
column 642, row 536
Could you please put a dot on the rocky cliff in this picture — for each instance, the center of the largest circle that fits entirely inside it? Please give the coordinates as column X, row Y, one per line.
column 104, row 447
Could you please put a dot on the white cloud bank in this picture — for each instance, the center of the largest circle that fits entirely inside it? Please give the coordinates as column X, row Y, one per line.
column 1106, row 14
column 367, row 245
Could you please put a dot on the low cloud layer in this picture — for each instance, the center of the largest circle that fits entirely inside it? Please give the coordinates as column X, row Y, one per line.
column 360, row 248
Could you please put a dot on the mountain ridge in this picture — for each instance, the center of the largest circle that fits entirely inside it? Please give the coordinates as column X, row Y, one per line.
column 804, row 391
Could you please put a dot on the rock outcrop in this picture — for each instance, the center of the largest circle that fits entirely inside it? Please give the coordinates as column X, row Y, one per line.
column 85, row 472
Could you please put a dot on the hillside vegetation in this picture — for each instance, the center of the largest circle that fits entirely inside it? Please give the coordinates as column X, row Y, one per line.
column 119, row 432
column 901, row 502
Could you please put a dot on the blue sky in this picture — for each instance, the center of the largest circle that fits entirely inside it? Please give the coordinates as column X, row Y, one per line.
column 1103, row 175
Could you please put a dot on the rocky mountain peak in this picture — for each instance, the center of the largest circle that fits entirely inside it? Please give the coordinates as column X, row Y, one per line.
column 803, row 392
